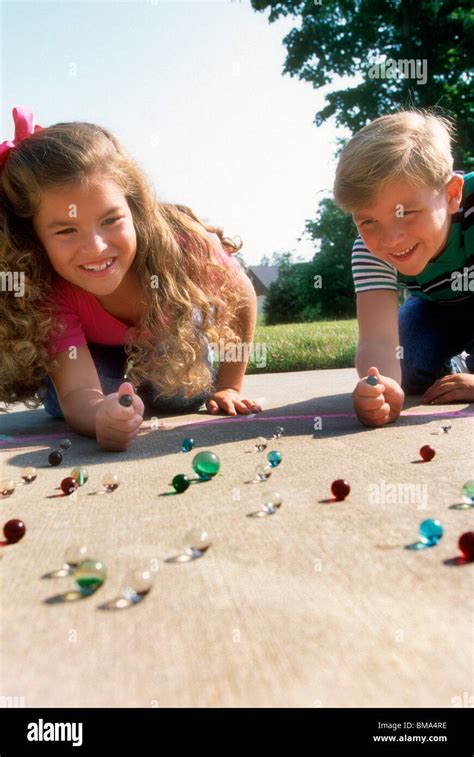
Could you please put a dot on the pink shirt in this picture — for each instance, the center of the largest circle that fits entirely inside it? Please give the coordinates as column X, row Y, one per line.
column 86, row 320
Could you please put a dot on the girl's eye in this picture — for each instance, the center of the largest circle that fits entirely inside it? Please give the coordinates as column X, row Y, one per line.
column 364, row 223
column 65, row 231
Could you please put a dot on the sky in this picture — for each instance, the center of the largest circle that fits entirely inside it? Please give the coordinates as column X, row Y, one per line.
column 195, row 92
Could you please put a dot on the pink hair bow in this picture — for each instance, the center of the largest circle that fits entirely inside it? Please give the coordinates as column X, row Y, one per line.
column 23, row 118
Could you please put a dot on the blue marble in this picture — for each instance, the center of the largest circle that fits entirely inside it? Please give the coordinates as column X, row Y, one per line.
column 274, row 458
column 431, row 531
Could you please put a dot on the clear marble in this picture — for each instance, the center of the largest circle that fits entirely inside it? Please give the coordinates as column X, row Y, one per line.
column 197, row 541
column 109, row 482
column 28, row 474
column 137, row 584
column 7, row 487
column 75, row 554
column 263, row 472
column 467, row 493
column 271, row 501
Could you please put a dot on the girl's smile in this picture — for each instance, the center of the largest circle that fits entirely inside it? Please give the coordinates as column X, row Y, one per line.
column 98, row 268
column 88, row 234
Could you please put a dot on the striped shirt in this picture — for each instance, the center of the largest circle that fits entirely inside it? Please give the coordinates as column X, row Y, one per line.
column 448, row 278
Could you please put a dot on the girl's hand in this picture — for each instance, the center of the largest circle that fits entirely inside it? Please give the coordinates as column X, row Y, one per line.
column 457, row 387
column 116, row 426
column 380, row 404
column 231, row 402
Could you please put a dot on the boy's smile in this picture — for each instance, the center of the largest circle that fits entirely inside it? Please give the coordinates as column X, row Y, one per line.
column 408, row 226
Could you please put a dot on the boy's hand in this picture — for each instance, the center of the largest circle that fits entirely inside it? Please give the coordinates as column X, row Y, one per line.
column 117, row 426
column 380, row 404
column 231, row 402
column 456, row 387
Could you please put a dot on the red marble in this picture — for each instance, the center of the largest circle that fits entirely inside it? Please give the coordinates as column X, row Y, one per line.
column 340, row 489
column 69, row 485
column 466, row 544
column 427, row 453
column 14, row 530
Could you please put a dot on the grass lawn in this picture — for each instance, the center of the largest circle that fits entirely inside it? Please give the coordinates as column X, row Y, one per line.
column 304, row 346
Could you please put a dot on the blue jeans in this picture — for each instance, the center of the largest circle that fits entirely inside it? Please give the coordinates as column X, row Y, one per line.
column 431, row 333
column 110, row 362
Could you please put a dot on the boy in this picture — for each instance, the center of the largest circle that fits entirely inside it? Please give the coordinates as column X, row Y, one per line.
column 415, row 219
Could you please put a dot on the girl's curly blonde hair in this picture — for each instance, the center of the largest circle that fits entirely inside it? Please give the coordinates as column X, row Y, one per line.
column 173, row 251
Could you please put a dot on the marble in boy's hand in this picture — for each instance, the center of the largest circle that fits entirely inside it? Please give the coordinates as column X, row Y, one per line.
column 232, row 403
column 380, row 404
column 456, row 387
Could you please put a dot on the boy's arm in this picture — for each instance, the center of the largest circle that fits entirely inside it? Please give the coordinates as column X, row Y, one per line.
column 231, row 374
column 377, row 312
column 377, row 315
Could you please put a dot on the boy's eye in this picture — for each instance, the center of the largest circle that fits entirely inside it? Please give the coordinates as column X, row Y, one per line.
column 371, row 220
column 64, row 231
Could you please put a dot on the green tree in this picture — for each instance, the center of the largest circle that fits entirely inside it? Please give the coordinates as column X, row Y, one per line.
column 347, row 37
column 323, row 287
column 333, row 290
column 288, row 296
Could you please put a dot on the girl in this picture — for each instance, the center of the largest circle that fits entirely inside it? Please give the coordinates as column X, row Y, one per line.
column 109, row 273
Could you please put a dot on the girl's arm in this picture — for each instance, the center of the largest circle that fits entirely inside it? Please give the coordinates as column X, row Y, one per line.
column 230, row 376
column 78, row 389
column 85, row 408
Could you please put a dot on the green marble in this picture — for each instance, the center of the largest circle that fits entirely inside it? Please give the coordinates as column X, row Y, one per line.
column 206, row 464
column 180, row 483
column 80, row 475
column 89, row 576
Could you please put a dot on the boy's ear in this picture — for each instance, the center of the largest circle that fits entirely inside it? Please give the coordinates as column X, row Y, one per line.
column 454, row 189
